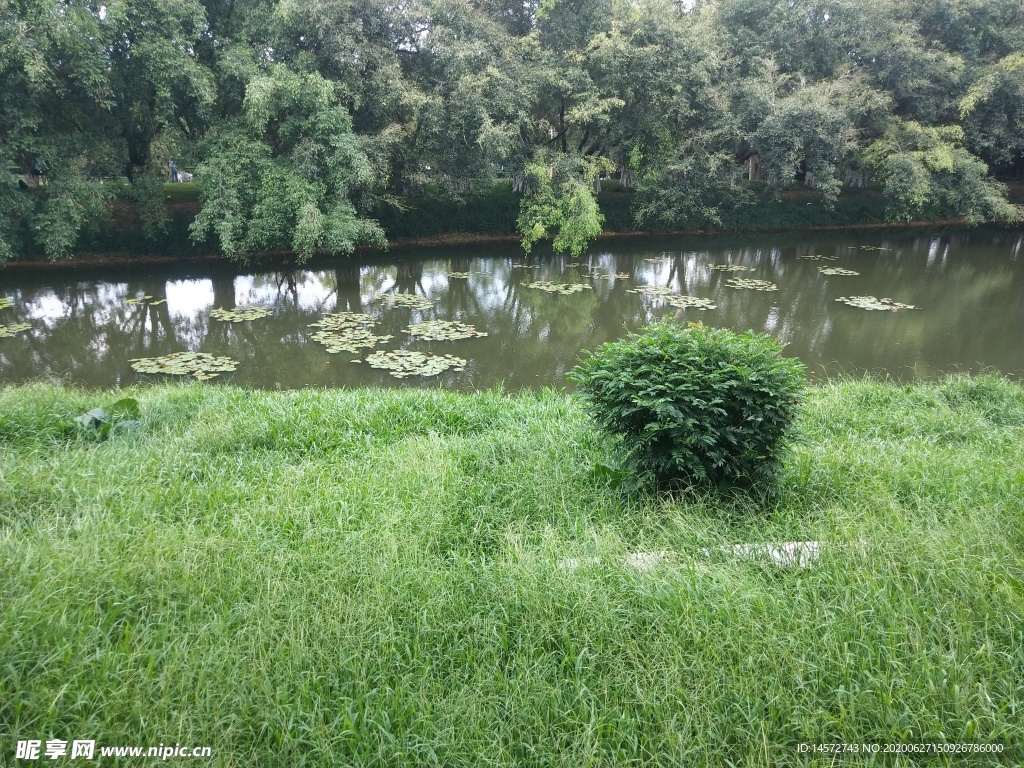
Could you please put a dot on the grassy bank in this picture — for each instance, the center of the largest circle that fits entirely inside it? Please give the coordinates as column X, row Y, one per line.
column 380, row 578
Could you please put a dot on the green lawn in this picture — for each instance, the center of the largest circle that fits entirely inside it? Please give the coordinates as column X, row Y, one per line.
column 333, row 578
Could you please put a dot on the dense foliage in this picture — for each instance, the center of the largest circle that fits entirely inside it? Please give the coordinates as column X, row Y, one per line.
column 307, row 122
column 694, row 404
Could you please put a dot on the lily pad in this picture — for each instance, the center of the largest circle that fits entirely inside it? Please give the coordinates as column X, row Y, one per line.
column 564, row 289
column 836, row 271
column 443, row 330
column 653, row 290
column 148, row 300
column 614, row 276
column 756, row 285
column 6, row 331
column 403, row 363
column 870, row 302
column 874, row 248
column 6, row 303
column 410, row 300
column 819, row 257
column 526, row 266
column 731, row 268
column 200, row 365
column 459, row 275
column 691, row 302
column 239, row 315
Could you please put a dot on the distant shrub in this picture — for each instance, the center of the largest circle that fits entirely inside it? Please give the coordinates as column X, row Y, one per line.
column 694, row 404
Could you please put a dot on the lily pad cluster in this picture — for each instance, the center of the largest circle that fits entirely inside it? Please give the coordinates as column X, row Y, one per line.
column 349, row 340
column 870, row 302
column 677, row 300
column 614, row 276
column 409, row 300
column 404, row 363
column 443, row 330
column 526, row 266
column 6, row 331
column 731, row 268
column 756, row 285
column 5, row 303
column 564, row 289
column 146, row 300
column 459, row 275
column 347, row 332
column 874, row 248
column 239, row 315
column 653, row 290
column 819, row 257
column 690, row 302
column 337, row 321
column 836, row 271
column 199, row 365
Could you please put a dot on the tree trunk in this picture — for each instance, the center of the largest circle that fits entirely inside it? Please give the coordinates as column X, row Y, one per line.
column 755, row 172
column 852, row 178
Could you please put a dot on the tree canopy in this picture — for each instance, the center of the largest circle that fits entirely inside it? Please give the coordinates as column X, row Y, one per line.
column 303, row 119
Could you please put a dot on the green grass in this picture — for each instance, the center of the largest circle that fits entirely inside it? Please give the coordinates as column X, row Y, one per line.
column 372, row 578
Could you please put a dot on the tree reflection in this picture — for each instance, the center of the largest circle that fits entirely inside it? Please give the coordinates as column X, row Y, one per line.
column 149, row 320
column 349, row 289
column 972, row 313
column 409, row 277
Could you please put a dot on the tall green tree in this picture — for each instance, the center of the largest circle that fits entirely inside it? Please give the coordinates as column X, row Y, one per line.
column 161, row 93
column 992, row 113
column 283, row 173
column 926, row 169
column 55, row 97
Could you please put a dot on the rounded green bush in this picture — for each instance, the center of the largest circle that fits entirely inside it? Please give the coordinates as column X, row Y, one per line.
column 694, row 404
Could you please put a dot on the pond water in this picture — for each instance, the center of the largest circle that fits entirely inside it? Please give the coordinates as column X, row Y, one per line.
column 966, row 287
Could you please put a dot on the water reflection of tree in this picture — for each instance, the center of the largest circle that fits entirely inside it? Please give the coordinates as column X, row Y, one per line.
column 409, row 277
column 534, row 336
column 150, row 316
column 287, row 286
column 348, row 288
column 98, row 332
column 224, row 291
column 538, row 334
column 223, row 298
column 463, row 301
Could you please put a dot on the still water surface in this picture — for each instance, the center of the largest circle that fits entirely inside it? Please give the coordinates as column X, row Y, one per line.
column 967, row 287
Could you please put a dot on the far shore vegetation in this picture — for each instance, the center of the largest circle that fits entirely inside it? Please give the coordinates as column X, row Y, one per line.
column 319, row 127
column 434, row 218
column 384, row 577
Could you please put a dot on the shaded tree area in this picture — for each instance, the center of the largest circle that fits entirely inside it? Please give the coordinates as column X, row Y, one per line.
column 305, row 121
